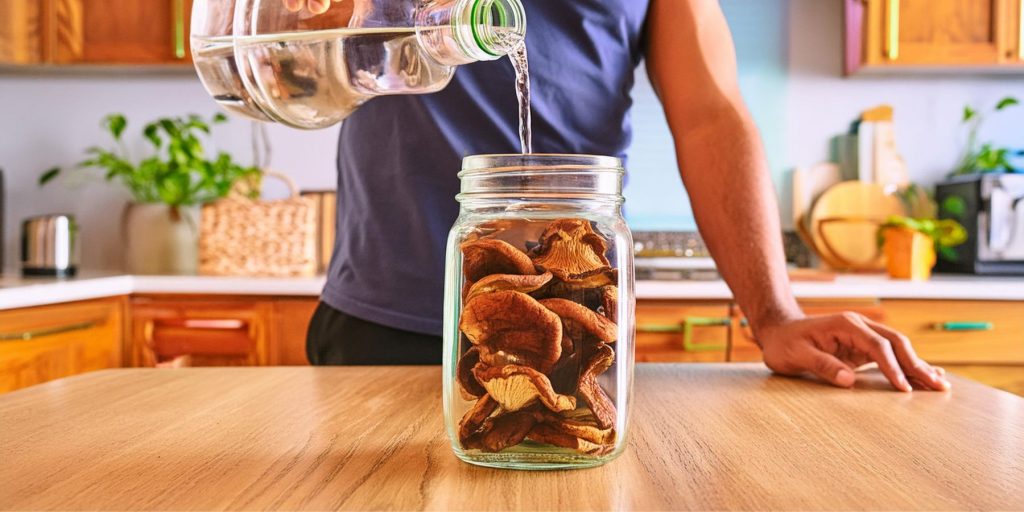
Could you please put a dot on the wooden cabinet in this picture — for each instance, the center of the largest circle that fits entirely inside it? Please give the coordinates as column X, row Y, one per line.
column 174, row 331
column 44, row 343
column 682, row 331
column 943, row 34
column 111, row 32
column 962, row 332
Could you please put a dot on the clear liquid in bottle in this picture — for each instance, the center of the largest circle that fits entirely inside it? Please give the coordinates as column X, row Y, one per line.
column 316, row 79
column 215, row 64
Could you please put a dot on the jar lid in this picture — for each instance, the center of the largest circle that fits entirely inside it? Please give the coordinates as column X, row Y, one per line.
column 535, row 175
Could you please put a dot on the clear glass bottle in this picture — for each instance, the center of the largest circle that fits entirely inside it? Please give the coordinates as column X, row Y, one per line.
column 313, row 70
column 538, row 340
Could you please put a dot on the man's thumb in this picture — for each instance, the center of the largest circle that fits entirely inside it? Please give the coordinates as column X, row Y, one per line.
column 830, row 369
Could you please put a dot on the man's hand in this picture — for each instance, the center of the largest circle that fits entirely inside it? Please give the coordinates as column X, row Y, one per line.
column 314, row 6
column 832, row 347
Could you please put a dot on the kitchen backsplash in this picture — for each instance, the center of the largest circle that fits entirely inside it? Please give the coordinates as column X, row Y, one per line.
column 790, row 72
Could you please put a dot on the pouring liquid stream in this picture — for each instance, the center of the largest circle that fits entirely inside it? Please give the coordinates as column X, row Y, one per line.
column 521, row 65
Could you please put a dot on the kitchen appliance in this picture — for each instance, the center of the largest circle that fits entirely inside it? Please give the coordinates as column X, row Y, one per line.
column 49, row 246
column 991, row 207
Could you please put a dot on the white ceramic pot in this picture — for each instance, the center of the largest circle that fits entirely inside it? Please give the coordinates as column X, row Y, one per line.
column 161, row 239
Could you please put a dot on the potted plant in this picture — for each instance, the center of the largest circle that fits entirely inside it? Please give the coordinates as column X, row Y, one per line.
column 910, row 244
column 985, row 157
column 161, row 224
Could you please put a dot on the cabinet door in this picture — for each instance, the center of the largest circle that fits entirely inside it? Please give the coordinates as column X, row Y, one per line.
column 962, row 332
column 943, row 33
column 681, row 331
column 50, row 342
column 21, row 28
column 176, row 332
column 119, row 31
column 291, row 321
column 743, row 348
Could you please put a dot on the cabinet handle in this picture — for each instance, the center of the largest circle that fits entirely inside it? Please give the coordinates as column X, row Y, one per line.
column 179, row 29
column 1020, row 30
column 892, row 30
column 50, row 331
column 694, row 321
column 963, row 326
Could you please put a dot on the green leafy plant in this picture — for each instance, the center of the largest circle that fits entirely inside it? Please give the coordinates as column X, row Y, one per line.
column 178, row 173
column 985, row 157
column 945, row 233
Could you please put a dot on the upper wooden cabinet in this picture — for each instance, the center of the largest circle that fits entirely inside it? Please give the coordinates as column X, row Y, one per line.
column 113, row 32
column 934, row 34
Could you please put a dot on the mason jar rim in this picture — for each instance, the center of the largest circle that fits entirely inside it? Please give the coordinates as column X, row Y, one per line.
column 538, row 162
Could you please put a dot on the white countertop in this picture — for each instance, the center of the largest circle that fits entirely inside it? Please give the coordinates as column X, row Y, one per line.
column 16, row 292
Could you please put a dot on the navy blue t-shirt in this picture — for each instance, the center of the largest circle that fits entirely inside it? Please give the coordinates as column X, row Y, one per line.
column 398, row 156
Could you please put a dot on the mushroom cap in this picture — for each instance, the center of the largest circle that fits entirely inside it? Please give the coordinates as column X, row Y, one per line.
column 569, row 248
column 548, row 433
column 487, row 256
column 610, row 302
column 516, row 387
column 590, row 390
column 513, row 324
column 503, row 282
column 502, row 431
column 464, row 373
column 475, row 417
column 581, row 323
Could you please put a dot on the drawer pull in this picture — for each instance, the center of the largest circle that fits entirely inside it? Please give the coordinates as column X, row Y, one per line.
column 963, row 326
column 698, row 321
column 659, row 328
column 50, row 331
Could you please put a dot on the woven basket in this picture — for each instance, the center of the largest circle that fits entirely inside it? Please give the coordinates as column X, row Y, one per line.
column 239, row 236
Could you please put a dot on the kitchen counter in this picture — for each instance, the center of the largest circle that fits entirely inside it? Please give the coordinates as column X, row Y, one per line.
column 18, row 292
column 703, row 437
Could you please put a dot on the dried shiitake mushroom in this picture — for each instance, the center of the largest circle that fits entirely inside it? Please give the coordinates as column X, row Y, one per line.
column 504, row 282
column 500, row 432
column 571, row 250
column 610, row 302
column 515, row 326
column 471, row 422
column 488, row 256
column 582, row 324
column 592, row 393
column 516, row 387
column 464, row 372
column 548, row 433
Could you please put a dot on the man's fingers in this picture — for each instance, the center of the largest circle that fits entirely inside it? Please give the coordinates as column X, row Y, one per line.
column 319, row 6
column 294, row 5
column 828, row 368
column 879, row 348
column 913, row 366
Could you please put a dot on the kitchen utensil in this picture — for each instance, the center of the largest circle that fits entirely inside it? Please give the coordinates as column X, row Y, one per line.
column 49, row 246
column 845, row 220
column 239, row 236
column 808, row 184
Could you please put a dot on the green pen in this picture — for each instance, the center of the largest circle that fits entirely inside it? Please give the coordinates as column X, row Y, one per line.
column 963, row 326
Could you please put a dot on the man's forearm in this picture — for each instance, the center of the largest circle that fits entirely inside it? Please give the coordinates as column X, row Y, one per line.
column 723, row 165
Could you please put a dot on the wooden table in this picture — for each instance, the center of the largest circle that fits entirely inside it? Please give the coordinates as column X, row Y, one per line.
column 704, row 437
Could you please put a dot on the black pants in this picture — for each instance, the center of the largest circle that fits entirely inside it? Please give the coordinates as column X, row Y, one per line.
column 337, row 338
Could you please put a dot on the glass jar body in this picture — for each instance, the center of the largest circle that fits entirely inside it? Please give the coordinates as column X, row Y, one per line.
column 538, row 355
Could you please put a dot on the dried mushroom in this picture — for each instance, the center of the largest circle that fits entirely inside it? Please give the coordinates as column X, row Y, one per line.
column 592, row 393
column 506, row 282
column 581, row 323
column 515, row 326
column 485, row 257
column 610, row 302
column 471, row 422
column 516, row 387
column 502, row 431
column 464, row 372
column 571, row 250
column 547, row 433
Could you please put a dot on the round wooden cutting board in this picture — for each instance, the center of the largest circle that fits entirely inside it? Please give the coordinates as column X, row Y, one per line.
column 845, row 220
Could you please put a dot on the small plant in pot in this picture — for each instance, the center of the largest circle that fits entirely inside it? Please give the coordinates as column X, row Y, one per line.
column 910, row 244
column 986, row 157
column 161, row 224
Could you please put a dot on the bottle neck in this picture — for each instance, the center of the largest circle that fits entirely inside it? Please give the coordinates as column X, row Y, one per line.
column 456, row 32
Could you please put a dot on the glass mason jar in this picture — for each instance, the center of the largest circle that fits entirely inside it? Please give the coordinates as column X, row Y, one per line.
column 538, row 340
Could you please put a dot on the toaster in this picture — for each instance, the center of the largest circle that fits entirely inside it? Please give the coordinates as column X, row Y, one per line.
column 991, row 208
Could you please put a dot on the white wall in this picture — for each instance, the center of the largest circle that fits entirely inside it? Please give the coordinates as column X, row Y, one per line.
column 48, row 119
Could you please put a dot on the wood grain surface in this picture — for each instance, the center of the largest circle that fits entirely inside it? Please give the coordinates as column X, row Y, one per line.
column 703, row 437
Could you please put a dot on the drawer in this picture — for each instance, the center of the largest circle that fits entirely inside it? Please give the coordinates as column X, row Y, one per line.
column 181, row 332
column 44, row 343
column 681, row 331
column 1007, row 378
column 744, row 349
column 961, row 332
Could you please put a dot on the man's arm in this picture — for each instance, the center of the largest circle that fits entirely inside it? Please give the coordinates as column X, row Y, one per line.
column 692, row 64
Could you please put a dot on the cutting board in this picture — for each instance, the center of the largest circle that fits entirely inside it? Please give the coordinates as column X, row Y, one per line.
column 844, row 224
